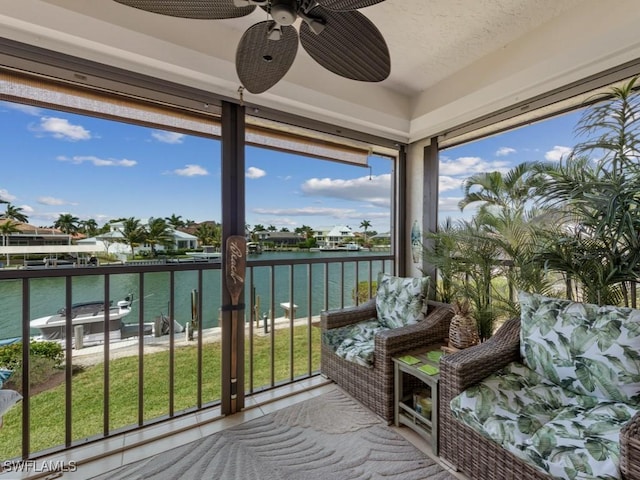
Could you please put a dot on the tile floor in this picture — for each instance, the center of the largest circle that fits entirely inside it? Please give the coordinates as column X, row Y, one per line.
column 106, row 455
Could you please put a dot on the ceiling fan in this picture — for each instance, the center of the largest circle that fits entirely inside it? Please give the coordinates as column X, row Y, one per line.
column 333, row 33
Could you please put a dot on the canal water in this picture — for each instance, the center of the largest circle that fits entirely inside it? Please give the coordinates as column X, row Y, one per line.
column 47, row 295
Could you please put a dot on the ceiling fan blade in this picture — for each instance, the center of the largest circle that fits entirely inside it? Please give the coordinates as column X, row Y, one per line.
column 346, row 5
column 350, row 45
column 262, row 62
column 200, row 9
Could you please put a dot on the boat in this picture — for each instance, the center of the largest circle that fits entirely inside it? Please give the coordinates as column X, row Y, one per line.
column 348, row 247
column 91, row 316
column 253, row 248
column 208, row 253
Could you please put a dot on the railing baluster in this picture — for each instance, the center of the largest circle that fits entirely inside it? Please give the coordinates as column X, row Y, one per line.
column 26, row 370
column 141, row 350
column 68, row 362
column 172, row 317
column 272, row 331
column 309, row 319
column 291, row 325
column 200, row 319
column 252, row 309
column 276, row 276
column 105, row 410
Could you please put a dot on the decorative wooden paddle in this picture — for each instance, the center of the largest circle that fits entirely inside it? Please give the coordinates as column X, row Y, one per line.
column 236, row 262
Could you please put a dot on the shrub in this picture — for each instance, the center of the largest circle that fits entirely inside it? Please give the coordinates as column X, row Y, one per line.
column 11, row 355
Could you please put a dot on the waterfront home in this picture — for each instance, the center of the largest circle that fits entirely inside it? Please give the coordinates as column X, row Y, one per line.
column 278, row 239
column 458, row 72
column 333, row 237
column 113, row 241
column 30, row 235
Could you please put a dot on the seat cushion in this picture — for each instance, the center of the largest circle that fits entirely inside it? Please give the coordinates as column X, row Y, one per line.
column 581, row 443
column 401, row 301
column 567, row 435
column 354, row 342
column 509, row 406
column 586, row 348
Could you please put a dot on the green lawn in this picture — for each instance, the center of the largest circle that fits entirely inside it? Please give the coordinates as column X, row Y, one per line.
column 48, row 407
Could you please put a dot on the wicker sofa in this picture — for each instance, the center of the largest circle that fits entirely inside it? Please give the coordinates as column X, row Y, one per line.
column 373, row 386
column 480, row 457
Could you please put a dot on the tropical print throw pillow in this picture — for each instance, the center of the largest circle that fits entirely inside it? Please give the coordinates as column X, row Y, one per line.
column 588, row 349
column 400, row 300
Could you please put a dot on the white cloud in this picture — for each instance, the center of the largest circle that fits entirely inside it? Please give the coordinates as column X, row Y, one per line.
column 54, row 201
column 168, row 137
column 557, row 153
column 449, row 204
column 306, row 211
column 6, row 196
column 28, row 109
column 62, row 129
column 255, row 172
column 98, row 162
column 376, row 190
column 280, row 215
column 504, row 151
column 447, row 183
column 191, row 171
column 468, row 166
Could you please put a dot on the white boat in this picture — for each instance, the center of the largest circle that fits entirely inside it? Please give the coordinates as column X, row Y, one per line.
column 91, row 316
column 208, row 253
column 348, row 247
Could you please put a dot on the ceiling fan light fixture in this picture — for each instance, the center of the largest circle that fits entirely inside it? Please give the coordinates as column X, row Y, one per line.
column 274, row 32
column 317, row 25
column 284, row 12
column 333, row 32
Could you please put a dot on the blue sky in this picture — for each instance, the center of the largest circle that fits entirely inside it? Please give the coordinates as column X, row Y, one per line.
column 548, row 140
column 58, row 162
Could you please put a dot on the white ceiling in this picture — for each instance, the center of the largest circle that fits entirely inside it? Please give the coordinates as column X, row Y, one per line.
column 451, row 60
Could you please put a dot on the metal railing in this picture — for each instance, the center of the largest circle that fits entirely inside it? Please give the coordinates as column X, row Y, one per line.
column 283, row 299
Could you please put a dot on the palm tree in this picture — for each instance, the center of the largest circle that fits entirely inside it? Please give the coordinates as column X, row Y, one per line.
column 176, row 221
column 67, row 223
column 7, row 227
column 596, row 189
column 15, row 213
column 204, row 233
column 495, row 189
column 158, row 232
column 133, row 233
column 365, row 224
column 89, row 227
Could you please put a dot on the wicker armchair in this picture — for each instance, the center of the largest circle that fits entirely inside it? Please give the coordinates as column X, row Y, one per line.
column 374, row 386
column 479, row 458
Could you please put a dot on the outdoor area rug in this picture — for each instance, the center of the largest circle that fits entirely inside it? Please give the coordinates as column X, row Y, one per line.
column 327, row 437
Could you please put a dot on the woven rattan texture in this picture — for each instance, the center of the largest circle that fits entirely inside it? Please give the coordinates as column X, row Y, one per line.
column 374, row 386
column 479, row 458
column 350, row 45
column 201, row 9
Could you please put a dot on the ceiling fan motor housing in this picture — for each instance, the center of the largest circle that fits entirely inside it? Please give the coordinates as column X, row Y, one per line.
column 284, row 12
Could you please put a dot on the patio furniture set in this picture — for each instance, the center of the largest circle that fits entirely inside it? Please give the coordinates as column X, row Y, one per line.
column 554, row 393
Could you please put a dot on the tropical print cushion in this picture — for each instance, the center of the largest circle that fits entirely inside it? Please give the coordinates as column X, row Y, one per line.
column 354, row 342
column 581, row 443
column 588, row 349
column 4, row 376
column 400, row 300
column 567, row 435
column 509, row 406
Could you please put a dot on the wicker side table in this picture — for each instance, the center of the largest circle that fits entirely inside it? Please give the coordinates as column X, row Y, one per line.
column 409, row 409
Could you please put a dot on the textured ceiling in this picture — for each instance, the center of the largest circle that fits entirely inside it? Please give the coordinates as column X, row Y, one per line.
column 428, row 39
column 451, row 60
